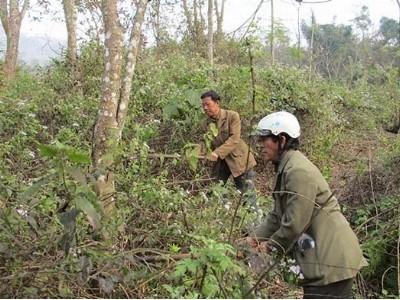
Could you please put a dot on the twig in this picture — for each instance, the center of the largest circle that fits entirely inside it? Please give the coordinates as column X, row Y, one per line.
column 248, row 293
column 161, row 155
column 253, row 82
column 190, row 181
column 357, row 230
column 219, row 283
column 202, row 280
column 372, row 186
column 158, row 258
column 185, row 223
column 126, row 293
column 384, row 274
column 398, row 260
column 234, row 217
column 250, row 19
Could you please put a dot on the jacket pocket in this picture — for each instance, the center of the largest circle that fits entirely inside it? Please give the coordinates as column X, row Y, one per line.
column 237, row 152
column 309, row 264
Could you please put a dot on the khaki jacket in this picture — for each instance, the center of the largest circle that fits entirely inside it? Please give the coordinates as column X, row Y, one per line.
column 305, row 204
column 228, row 144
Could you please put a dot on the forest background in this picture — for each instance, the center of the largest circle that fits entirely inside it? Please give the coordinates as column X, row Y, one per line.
column 102, row 193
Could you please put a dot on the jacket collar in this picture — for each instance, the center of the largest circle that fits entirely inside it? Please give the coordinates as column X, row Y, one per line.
column 284, row 159
column 279, row 166
column 223, row 114
column 220, row 119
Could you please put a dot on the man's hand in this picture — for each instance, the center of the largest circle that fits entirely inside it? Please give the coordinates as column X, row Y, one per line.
column 213, row 156
column 263, row 247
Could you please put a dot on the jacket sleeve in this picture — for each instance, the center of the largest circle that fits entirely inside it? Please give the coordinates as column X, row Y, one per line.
column 301, row 189
column 266, row 229
column 234, row 137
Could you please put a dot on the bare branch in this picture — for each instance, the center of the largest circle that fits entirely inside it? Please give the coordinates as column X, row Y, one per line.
column 4, row 15
column 24, row 9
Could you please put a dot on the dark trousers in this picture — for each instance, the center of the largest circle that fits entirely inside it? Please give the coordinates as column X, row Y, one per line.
column 244, row 182
column 336, row 290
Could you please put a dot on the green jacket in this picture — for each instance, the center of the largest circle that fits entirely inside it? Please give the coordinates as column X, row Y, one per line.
column 305, row 204
column 228, row 144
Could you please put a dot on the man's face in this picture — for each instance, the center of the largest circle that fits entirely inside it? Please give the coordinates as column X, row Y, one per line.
column 210, row 107
column 269, row 148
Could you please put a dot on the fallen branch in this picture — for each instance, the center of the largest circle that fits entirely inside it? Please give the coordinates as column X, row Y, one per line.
column 158, row 258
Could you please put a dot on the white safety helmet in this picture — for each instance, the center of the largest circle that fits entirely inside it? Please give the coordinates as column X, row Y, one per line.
column 278, row 122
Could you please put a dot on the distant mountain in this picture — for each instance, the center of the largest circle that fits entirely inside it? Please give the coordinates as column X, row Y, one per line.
column 34, row 50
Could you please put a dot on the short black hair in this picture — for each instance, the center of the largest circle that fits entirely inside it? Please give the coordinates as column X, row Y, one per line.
column 291, row 143
column 212, row 94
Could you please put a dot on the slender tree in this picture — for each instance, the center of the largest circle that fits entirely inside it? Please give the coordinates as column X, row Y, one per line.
column 70, row 21
column 189, row 18
column 12, row 13
column 210, row 36
column 219, row 12
column 115, row 96
column 272, row 33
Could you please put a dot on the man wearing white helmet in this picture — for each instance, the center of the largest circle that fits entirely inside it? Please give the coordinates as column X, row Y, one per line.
column 306, row 216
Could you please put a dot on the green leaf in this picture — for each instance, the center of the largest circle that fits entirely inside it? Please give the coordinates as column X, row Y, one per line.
column 78, row 156
column 192, row 266
column 50, row 151
column 180, row 268
column 93, row 217
column 192, row 153
column 213, row 129
column 174, row 248
column 171, row 110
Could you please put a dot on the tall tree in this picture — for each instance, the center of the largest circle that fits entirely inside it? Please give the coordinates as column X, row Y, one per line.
column 189, row 17
column 272, row 33
column 363, row 21
column 12, row 13
column 70, row 21
column 389, row 29
column 210, row 40
column 195, row 25
column 334, row 48
column 155, row 5
column 115, row 95
column 219, row 12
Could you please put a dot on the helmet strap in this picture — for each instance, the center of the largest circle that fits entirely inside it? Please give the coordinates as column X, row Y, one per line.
column 281, row 148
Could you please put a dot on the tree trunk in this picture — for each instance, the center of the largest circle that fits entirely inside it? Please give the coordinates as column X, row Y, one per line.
column 311, row 50
column 105, row 135
column 272, row 33
column 196, row 23
column 115, row 97
column 10, row 61
column 189, row 19
column 156, row 21
column 11, row 19
column 70, row 21
column 210, row 34
column 220, row 21
column 130, row 63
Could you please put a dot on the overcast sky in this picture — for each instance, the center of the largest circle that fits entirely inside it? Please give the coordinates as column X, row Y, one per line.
column 237, row 11
column 342, row 11
column 52, row 26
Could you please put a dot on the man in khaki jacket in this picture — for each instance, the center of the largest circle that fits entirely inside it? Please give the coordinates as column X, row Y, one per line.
column 229, row 152
column 306, row 216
